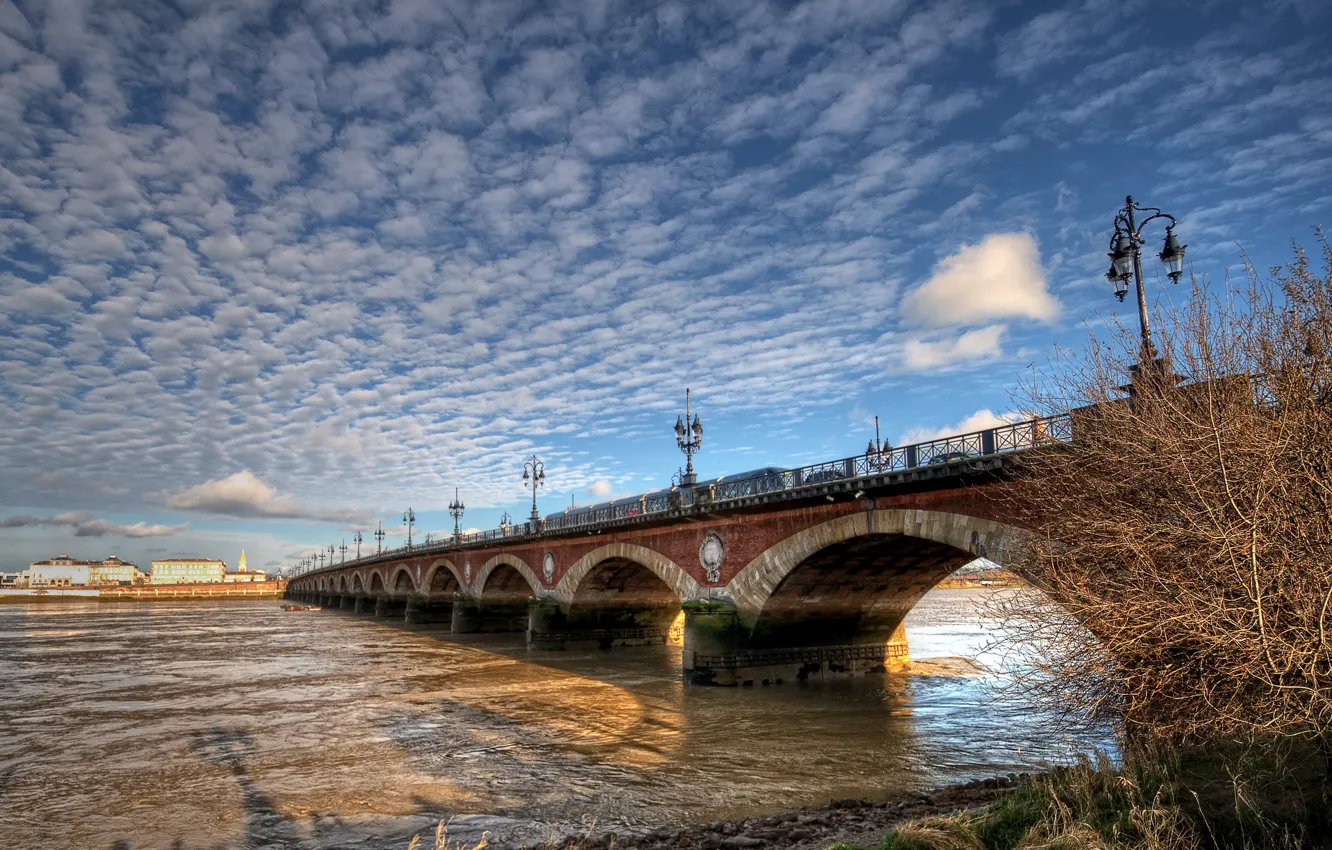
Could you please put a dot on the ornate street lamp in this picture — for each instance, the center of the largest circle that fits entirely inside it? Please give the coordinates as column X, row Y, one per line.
column 356, row 538
column 534, row 475
column 321, row 560
column 877, row 448
column 331, row 550
column 456, row 508
column 343, row 548
column 409, row 520
column 379, row 538
column 506, row 522
column 1126, row 262
column 689, row 437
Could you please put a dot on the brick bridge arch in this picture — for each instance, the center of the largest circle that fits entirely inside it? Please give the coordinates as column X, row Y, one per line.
column 832, row 599
column 504, row 559
column 680, row 582
column 403, row 584
column 441, row 577
column 970, row 536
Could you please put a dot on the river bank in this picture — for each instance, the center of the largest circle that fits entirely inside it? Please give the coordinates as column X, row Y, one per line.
column 860, row 822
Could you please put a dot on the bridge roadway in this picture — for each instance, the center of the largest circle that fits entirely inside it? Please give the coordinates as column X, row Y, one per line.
column 803, row 574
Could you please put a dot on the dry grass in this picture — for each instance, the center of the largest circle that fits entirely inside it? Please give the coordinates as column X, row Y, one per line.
column 441, row 839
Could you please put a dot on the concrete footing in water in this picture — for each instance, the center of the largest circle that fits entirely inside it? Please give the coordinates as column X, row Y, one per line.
column 719, row 650
column 387, row 607
column 552, row 627
column 422, row 610
column 471, row 616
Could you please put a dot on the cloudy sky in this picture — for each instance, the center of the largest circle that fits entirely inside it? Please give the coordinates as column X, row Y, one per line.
column 274, row 272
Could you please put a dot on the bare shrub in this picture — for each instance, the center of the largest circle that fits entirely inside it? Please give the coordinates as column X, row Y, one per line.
column 1188, row 527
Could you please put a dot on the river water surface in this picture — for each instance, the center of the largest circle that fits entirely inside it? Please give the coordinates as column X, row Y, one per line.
column 235, row 724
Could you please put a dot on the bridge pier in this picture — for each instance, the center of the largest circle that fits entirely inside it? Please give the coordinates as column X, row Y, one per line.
column 389, row 608
column 470, row 616
column 551, row 627
column 423, row 609
column 364, row 605
column 720, row 650
column 348, row 602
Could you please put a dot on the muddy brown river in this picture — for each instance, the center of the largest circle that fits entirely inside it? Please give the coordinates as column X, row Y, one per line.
column 235, row 724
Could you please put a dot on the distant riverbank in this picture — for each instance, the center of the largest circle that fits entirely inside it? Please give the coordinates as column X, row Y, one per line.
column 147, row 593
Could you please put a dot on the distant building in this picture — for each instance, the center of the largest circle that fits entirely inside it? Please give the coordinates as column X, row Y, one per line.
column 114, row 571
column 65, row 571
column 187, row 571
column 243, row 573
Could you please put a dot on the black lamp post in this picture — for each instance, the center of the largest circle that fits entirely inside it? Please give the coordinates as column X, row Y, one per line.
column 456, row 508
column 356, row 538
column 321, row 560
column 409, row 520
column 506, row 522
column 689, row 437
column 1126, row 262
column 379, row 538
column 877, row 448
column 534, row 475
column 343, row 549
column 331, row 550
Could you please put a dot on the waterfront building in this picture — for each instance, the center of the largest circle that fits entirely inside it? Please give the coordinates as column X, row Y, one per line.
column 187, row 571
column 114, row 571
column 64, row 571
column 244, row 573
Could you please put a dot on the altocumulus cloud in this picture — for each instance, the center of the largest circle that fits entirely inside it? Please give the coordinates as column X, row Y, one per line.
column 87, row 525
column 383, row 249
column 244, row 495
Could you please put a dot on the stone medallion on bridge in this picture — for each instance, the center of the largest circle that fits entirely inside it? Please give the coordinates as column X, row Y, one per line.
column 711, row 553
column 548, row 567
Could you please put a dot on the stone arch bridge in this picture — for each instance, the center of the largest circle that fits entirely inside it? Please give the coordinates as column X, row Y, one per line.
column 808, row 580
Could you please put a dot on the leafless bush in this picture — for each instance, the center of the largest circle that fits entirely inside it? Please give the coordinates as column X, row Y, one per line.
column 1185, row 537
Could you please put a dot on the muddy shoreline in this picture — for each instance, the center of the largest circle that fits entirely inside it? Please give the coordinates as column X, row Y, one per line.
column 863, row 822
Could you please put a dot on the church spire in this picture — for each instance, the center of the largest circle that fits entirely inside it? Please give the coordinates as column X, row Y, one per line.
column 241, row 567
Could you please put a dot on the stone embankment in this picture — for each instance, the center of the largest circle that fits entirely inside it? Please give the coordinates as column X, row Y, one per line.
column 860, row 822
column 209, row 590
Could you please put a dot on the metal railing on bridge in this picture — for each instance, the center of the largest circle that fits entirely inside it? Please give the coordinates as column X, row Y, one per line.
column 1000, row 440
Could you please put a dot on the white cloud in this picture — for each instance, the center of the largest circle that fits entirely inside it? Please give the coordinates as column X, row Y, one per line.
column 600, row 488
column 971, row 346
column 978, row 421
column 1001, row 277
column 241, row 494
column 87, row 525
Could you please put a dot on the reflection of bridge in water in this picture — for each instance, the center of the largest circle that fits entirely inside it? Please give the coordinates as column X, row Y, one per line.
column 787, row 574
